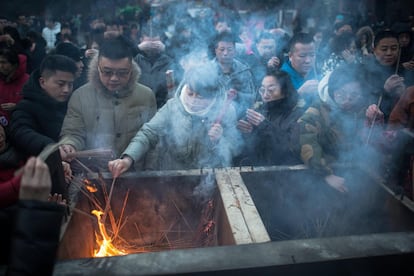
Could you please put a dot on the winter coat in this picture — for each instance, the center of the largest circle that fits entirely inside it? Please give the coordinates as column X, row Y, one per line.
column 9, row 187
column 334, row 61
column 402, row 115
column 34, row 238
column 375, row 76
column 276, row 140
column 328, row 134
column 241, row 79
column 11, row 88
column 10, row 161
column 37, row 120
column 98, row 118
column 153, row 75
column 181, row 140
column 298, row 80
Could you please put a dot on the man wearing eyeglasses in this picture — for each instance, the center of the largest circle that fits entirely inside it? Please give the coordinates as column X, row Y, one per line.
column 108, row 110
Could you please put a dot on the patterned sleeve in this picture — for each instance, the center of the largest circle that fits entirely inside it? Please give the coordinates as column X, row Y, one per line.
column 312, row 127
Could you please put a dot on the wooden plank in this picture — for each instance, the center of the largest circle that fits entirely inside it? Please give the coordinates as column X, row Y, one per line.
column 250, row 213
column 232, row 209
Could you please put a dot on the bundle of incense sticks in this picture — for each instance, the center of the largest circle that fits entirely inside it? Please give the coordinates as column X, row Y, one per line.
column 92, row 153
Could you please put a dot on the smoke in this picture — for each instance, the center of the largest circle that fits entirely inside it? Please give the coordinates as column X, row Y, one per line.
column 204, row 191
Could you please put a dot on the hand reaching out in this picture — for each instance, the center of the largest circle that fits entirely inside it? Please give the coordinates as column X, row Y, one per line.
column 67, row 172
column 119, row 166
column 394, row 83
column 36, row 182
column 373, row 112
column 336, row 182
column 65, row 151
column 254, row 117
column 244, row 126
column 215, row 132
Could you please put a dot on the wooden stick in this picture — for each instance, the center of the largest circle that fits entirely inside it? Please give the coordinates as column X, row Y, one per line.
column 91, row 153
column 182, row 215
column 398, row 60
column 122, row 214
column 380, row 97
column 84, row 166
column 84, row 213
column 373, row 120
column 107, row 206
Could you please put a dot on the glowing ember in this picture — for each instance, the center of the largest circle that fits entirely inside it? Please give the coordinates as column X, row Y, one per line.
column 106, row 248
column 90, row 186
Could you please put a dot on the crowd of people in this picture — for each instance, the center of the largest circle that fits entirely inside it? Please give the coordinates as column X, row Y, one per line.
column 203, row 90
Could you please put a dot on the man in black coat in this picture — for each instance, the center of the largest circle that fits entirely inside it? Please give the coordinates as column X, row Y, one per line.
column 38, row 117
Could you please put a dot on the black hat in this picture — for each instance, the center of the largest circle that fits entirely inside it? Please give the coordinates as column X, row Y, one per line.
column 69, row 50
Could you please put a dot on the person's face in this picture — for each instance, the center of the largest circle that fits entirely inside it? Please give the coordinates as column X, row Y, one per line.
column 80, row 66
column 386, row 52
column 3, row 23
column 266, row 48
column 302, row 58
column 344, row 29
column 113, row 28
column 6, row 68
column 225, row 52
column 318, row 37
column 2, row 139
column 21, row 19
column 404, row 39
column 352, row 47
column 222, row 27
column 364, row 39
column 59, row 85
column 270, row 89
column 195, row 101
column 114, row 73
column 349, row 96
column 95, row 45
column 50, row 24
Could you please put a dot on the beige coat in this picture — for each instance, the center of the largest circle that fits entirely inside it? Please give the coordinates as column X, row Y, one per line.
column 97, row 118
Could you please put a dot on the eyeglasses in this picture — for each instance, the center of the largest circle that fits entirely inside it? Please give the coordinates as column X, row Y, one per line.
column 343, row 96
column 270, row 90
column 108, row 73
column 229, row 50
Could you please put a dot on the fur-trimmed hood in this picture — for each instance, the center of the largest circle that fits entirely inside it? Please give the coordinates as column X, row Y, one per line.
column 93, row 77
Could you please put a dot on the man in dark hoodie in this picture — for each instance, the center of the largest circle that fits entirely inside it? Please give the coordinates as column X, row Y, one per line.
column 38, row 117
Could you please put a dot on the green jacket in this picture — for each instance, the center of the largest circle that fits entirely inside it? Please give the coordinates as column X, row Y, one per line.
column 179, row 141
column 328, row 134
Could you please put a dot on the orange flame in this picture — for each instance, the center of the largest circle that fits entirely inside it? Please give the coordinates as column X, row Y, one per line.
column 90, row 186
column 106, row 248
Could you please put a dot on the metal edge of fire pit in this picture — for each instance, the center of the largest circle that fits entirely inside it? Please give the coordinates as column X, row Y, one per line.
column 248, row 256
column 370, row 254
column 195, row 172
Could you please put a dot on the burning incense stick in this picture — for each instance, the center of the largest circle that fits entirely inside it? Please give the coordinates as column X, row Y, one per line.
column 91, row 153
column 381, row 96
column 107, row 206
column 398, row 60
column 122, row 214
column 373, row 120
